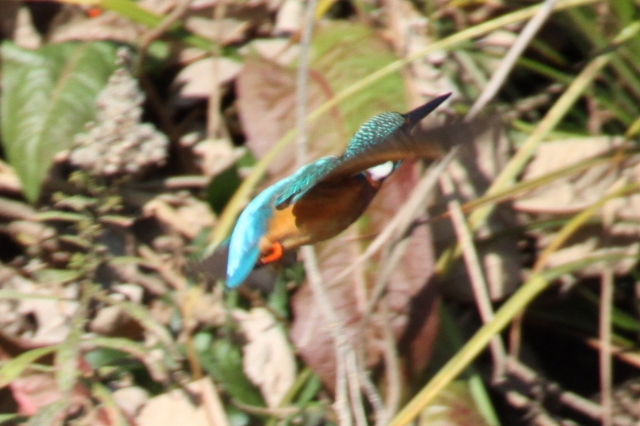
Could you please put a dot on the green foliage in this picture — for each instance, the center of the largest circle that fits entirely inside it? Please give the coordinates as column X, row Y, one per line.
column 48, row 97
column 223, row 361
column 345, row 53
column 14, row 368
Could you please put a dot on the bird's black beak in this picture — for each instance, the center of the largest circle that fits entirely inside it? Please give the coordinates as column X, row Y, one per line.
column 413, row 117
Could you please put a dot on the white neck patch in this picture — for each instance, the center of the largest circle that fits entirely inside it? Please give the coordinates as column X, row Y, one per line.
column 380, row 172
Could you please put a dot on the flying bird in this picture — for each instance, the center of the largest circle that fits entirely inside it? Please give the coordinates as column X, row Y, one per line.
column 323, row 198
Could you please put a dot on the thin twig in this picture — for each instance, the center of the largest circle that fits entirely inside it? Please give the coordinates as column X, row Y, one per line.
column 391, row 262
column 335, row 328
column 570, row 399
column 382, row 414
column 353, row 381
column 476, row 275
column 606, row 299
column 155, row 33
column 500, row 75
column 213, row 407
column 538, row 416
column 302, row 83
column 348, row 397
column 392, row 365
column 213, row 113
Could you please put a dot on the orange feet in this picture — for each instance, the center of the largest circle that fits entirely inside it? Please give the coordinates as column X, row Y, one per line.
column 275, row 254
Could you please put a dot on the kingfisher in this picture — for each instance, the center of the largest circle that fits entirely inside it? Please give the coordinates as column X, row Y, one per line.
column 323, row 198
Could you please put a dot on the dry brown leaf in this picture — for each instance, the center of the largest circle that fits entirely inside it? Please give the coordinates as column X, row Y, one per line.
column 310, row 330
column 572, row 194
column 225, row 31
column 34, row 391
column 161, row 7
column 115, row 321
column 108, row 26
column 9, row 181
column 196, row 80
column 454, row 406
column 484, row 153
column 196, row 408
column 131, row 399
column 267, row 102
column 51, row 314
column 408, row 32
column 278, row 51
column 25, row 34
column 592, row 241
column 268, row 358
column 215, row 156
column 289, row 17
column 207, row 308
column 182, row 213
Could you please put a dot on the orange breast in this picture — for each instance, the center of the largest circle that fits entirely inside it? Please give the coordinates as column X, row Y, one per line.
column 328, row 209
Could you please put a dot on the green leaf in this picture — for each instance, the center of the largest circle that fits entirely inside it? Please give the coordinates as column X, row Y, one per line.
column 14, row 368
column 149, row 323
column 67, row 365
column 48, row 96
column 345, row 53
column 57, row 276
column 13, row 418
column 112, row 349
column 223, row 361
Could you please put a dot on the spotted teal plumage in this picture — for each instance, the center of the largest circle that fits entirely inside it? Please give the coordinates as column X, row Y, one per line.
column 323, row 198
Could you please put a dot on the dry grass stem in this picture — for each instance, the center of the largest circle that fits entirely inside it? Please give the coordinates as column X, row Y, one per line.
column 476, row 275
column 606, row 373
column 499, row 77
column 405, row 216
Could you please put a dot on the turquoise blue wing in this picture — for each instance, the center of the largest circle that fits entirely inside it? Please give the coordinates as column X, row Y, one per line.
column 304, row 179
column 252, row 225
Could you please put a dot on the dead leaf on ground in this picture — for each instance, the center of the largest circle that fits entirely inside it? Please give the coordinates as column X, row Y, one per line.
column 342, row 54
column 267, row 102
column 279, row 51
column 25, row 34
column 216, row 156
column 570, row 195
column 51, row 311
column 484, row 152
column 9, row 181
column 225, row 31
column 182, row 213
column 108, row 26
column 574, row 193
column 349, row 297
column 194, row 406
column 408, row 31
column 196, row 80
column 35, row 392
column 268, row 358
column 131, row 399
column 289, row 17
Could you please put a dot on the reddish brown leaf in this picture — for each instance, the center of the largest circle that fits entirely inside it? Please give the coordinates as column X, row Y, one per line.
column 267, row 102
column 349, row 296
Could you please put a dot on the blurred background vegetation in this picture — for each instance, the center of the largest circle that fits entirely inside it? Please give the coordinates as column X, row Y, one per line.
column 499, row 289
